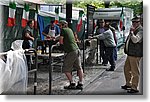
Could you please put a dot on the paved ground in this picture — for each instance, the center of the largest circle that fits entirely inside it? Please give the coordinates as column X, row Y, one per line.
column 110, row 82
column 59, row 79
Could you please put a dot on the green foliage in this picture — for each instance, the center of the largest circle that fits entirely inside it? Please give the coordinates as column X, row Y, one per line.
column 55, row 1
column 136, row 5
column 83, row 3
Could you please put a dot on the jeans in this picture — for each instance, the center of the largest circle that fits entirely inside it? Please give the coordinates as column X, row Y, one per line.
column 115, row 53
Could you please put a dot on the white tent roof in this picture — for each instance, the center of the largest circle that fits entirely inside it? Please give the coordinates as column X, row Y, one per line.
column 52, row 14
column 35, row 1
column 110, row 13
column 20, row 3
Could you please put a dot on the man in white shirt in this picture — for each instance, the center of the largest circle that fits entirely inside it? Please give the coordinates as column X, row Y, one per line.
column 110, row 45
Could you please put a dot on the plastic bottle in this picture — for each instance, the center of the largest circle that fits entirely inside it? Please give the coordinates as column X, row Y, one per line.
column 47, row 49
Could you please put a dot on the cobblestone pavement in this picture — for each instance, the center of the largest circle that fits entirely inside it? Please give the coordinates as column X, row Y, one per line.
column 59, row 79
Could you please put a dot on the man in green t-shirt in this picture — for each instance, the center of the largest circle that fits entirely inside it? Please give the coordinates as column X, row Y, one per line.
column 72, row 57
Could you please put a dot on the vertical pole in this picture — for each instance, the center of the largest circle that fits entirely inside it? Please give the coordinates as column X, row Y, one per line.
column 97, row 52
column 36, row 30
column 87, row 20
column 50, row 67
column 35, row 73
column 69, row 12
column 36, row 64
column 83, row 63
column 123, row 25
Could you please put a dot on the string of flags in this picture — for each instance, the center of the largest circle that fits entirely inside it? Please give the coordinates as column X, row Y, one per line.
column 11, row 18
column 25, row 15
column 57, row 15
column 121, row 20
column 11, row 21
column 79, row 24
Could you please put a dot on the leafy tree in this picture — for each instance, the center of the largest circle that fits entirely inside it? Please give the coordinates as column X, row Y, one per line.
column 83, row 3
column 136, row 5
column 55, row 1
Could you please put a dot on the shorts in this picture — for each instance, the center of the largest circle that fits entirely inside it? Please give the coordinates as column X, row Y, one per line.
column 72, row 60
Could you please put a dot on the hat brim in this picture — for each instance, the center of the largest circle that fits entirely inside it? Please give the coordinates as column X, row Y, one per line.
column 135, row 20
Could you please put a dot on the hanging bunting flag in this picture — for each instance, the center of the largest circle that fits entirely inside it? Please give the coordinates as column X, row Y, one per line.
column 56, row 15
column 79, row 24
column 121, row 20
column 25, row 16
column 35, row 19
column 11, row 18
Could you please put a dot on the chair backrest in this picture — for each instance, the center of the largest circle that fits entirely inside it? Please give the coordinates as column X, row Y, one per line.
column 17, row 45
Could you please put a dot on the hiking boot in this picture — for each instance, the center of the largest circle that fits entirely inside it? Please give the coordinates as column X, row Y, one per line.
column 126, row 87
column 79, row 86
column 71, row 86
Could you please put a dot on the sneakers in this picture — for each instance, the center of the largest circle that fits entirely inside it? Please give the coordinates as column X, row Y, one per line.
column 73, row 86
column 111, row 69
column 79, row 86
column 129, row 90
column 132, row 91
column 126, row 87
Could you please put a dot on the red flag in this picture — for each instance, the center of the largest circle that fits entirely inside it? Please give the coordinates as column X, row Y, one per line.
column 11, row 18
column 35, row 20
column 56, row 15
column 25, row 15
column 121, row 20
column 79, row 24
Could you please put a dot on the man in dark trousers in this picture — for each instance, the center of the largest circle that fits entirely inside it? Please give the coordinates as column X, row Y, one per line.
column 99, row 30
column 134, row 51
column 109, row 42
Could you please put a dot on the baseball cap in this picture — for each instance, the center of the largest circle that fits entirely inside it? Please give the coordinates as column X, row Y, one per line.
column 63, row 22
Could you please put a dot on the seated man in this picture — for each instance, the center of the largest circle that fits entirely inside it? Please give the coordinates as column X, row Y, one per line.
column 27, row 35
